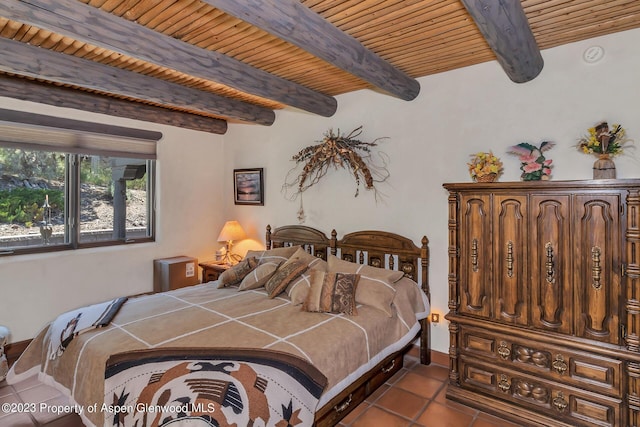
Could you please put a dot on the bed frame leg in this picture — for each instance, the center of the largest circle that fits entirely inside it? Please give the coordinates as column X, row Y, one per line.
column 425, row 342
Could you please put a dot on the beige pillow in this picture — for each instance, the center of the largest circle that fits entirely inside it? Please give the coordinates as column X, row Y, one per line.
column 284, row 275
column 332, row 293
column 375, row 287
column 259, row 276
column 298, row 289
column 302, row 255
column 275, row 254
column 235, row 274
column 337, row 264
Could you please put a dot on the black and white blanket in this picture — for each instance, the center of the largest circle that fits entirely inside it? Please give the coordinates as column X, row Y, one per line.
column 74, row 322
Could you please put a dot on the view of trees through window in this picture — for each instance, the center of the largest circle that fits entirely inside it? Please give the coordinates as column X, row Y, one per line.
column 42, row 205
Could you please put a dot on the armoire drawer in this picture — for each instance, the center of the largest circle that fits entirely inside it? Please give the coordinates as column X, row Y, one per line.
column 558, row 401
column 563, row 364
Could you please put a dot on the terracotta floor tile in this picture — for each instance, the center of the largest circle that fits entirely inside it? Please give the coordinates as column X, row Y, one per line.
column 441, row 397
column 492, row 420
column 396, row 377
column 28, row 383
column 376, row 417
column 357, row 411
column 5, row 389
column 402, row 402
column 460, row 407
column 38, row 393
column 479, row 422
column 9, row 398
column 71, row 420
column 437, row 372
column 17, row 420
column 377, row 393
column 420, row 385
column 437, row 415
column 54, row 409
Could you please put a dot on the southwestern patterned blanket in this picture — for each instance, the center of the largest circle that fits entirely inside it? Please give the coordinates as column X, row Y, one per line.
column 99, row 367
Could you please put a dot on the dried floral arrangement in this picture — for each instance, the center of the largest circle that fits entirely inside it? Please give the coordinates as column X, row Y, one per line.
column 533, row 164
column 602, row 140
column 340, row 151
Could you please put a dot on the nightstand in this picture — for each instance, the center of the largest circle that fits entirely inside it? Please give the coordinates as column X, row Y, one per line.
column 211, row 270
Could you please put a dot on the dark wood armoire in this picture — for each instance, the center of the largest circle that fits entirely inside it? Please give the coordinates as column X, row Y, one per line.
column 544, row 300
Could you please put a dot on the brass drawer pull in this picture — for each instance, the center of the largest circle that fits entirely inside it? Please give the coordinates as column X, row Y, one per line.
column 596, row 270
column 474, row 255
column 386, row 370
column 559, row 364
column 504, row 384
column 504, row 350
column 551, row 274
column 559, row 402
column 510, row 258
column 344, row 405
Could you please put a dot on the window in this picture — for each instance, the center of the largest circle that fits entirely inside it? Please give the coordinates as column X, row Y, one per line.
column 67, row 188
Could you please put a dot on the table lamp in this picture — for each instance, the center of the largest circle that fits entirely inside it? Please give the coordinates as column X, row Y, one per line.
column 230, row 232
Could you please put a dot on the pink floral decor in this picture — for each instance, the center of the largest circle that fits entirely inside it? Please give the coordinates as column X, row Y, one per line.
column 533, row 164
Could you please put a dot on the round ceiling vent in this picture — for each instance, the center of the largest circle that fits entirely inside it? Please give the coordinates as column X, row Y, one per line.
column 593, row 54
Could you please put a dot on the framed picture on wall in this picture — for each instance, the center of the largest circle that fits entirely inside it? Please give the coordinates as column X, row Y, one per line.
column 248, row 186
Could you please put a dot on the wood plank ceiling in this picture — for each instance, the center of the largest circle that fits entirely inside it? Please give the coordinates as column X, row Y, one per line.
column 201, row 64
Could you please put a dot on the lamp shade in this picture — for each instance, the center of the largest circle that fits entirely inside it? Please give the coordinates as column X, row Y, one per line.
column 231, row 231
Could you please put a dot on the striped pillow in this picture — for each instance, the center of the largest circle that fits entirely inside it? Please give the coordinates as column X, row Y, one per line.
column 258, row 277
column 332, row 292
column 235, row 274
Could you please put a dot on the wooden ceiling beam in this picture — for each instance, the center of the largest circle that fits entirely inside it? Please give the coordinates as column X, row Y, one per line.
column 60, row 96
column 39, row 63
column 93, row 26
column 297, row 24
column 504, row 26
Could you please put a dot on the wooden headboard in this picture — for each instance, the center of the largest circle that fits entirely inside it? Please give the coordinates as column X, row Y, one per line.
column 376, row 248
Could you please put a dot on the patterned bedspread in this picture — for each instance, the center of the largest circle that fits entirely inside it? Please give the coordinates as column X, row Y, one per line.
column 211, row 387
column 341, row 347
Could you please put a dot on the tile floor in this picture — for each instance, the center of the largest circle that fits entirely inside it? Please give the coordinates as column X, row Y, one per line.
column 414, row 397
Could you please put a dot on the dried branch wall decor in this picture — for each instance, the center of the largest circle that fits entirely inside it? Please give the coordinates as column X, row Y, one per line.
column 340, row 151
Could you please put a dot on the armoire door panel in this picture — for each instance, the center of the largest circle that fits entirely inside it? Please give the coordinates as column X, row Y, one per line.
column 550, row 249
column 510, row 258
column 475, row 249
column 597, row 272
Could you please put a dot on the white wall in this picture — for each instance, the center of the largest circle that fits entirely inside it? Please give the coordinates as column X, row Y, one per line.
column 34, row 289
column 430, row 138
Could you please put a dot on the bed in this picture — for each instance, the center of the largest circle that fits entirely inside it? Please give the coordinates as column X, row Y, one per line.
column 238, row 355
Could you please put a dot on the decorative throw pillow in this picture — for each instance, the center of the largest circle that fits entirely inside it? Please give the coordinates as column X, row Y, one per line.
column 332, row 292
column 273, row 255
column 375, row 287
column 298, row 289
column 302, row 255
column 259, row 276
column 235, row 274
column 284, row 275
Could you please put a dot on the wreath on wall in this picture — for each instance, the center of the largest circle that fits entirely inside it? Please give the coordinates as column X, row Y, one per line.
column 340, row 151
